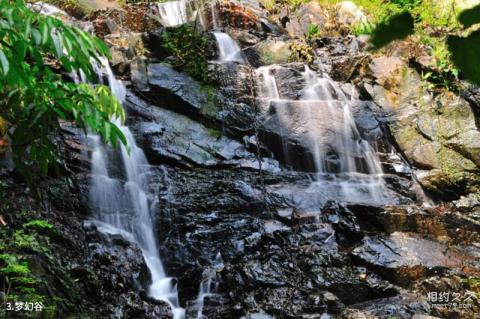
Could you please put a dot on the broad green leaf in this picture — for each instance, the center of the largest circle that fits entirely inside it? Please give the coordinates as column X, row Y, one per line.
column 394, row 28
column 465, row 53
column 37, row 95
column 4, row 62
column 470, row 17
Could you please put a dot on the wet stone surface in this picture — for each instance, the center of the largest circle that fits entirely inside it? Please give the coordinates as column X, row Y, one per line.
column 290, row 240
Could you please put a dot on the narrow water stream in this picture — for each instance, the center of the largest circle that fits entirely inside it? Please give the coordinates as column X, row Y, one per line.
column 121, row 200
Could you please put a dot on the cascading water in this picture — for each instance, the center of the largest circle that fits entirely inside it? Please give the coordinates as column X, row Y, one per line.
column 346, row 142
column 347, row 167
column 209, row 284
column 228, row 48
column 173, row 13
column 122, row 205
column 207, row 287
column 213, row 13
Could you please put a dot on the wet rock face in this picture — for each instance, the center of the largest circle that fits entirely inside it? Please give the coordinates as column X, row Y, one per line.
column 75, row 264
column 169, row 137
column 120, row 266
column 268, row 262
column 410, row 258
column 176, row 90
column 270, row 241
column 444, row 223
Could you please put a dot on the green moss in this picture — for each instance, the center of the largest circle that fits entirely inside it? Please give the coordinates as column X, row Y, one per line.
column 37, row 223
column 30, row 263
column 211, row 108
column 214, row 133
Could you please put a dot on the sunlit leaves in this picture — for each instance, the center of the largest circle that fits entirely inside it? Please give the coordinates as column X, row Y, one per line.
column 470, row 17
column 464, row 50
column 396, row 27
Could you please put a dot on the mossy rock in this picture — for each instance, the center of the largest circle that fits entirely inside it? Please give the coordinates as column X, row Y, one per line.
column 436, row 133
column 269, row 52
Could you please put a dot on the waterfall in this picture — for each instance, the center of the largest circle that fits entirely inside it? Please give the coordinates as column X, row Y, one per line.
column 173, row 13
column 346, row 166
column 209, row 284
column 122, row 205
column 213, row 13
column 347, row 141
column 228, row 48
column 205, row 290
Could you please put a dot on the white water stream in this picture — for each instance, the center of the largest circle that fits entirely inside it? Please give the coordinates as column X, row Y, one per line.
column 122, row 205
column 229, row 49
column 173, row 13
column 322, row 119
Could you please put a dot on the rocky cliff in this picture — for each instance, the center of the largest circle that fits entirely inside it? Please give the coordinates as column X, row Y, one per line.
column 310, row 179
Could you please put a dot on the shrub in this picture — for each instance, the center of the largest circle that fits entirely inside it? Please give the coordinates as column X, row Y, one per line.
column 190, row 47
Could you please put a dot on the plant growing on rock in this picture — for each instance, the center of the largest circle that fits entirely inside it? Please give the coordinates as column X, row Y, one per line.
column 34, row 52
column 21, row 249
column 301, row 52
column 189, row 46
column 313, row 32
column 463, row 44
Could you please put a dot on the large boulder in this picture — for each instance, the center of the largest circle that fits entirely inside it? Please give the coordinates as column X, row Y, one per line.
column 178, row 91
column 437, row 134
column 268, row 52
column 405, row 258
column 170, row 137
column 298, row 23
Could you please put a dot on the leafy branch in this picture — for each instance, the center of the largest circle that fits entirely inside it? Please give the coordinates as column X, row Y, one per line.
column 35, row 51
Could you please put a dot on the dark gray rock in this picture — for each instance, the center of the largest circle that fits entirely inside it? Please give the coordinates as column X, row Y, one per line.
column 138, row 74
column 405, row 258
column 174, row 138
column 404, row 306
column 177, row 91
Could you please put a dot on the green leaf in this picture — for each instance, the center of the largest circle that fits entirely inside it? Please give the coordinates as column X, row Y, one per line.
column 394, row 28
column 4, row 62
column 37, row 36
column 33, row 93
column 470, row 16
column 465, row 53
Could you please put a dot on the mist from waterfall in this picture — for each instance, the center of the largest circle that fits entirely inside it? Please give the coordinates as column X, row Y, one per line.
column 121, row 203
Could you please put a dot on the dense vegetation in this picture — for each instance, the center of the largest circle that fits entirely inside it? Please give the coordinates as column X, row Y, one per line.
column 36, row 53
column 458, row 38
column 450, row 35
column 189, row 46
